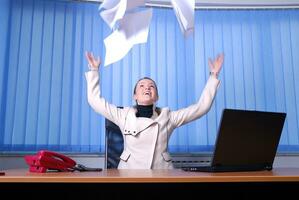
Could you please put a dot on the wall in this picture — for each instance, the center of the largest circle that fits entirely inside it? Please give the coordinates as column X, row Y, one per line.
column 43, row 89
column 4, row 21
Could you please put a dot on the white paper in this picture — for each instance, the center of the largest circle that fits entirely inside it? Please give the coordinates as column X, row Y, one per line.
column 112, row 15
column 133, row 29
column 136, row 26
column 108, row 4
column 116, row 47
column 184, row 11
column 116, row 9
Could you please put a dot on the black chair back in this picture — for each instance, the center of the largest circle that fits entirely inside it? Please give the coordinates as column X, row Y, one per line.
column 114, row 144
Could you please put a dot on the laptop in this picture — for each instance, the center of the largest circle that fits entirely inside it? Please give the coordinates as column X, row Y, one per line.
column 247, row 141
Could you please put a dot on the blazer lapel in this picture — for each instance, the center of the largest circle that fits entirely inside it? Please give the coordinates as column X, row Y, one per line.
column 143, row 123
column 137, row 124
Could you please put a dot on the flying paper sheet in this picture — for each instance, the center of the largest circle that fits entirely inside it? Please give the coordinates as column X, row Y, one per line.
column 184, row 11
column 133, row 29
column 116, row 9
column 116, row 47
column 108, row 4
column 112, row 14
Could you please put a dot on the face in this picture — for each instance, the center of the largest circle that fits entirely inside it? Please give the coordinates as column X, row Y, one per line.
column 146, row 92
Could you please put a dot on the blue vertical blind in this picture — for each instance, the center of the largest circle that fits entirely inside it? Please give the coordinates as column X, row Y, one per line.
column 43, row 89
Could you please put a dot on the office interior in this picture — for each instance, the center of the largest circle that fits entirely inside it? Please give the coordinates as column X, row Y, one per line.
column 43, row 99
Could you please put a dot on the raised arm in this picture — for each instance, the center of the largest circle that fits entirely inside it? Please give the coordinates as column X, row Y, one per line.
column 193, row 112
column 98, row 103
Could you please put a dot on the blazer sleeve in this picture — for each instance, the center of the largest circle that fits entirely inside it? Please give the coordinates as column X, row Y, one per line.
column 98, row 103
column 195, row 111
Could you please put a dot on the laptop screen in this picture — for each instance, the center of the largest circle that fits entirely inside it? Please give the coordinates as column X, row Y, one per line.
column 248, row 138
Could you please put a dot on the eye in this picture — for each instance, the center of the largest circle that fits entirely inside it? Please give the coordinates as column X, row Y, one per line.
column 141, row 85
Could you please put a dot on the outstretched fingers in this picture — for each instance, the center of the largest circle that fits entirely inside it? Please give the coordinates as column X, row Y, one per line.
column 216, row 64
column 91, row 60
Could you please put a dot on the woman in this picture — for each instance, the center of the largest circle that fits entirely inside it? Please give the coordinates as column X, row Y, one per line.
column 146, row 129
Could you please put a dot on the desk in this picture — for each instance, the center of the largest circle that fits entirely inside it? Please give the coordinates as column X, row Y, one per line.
column 150, row 176
column 153, row 182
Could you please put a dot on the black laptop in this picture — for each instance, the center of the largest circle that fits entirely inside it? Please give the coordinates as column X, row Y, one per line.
column 247, row 141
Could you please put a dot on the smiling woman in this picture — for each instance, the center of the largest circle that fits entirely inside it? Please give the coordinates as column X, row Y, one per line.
column 146, row 130
column 146, row 91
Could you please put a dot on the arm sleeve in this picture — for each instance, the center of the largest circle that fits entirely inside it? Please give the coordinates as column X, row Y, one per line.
column 195, row 111
column 99, row 104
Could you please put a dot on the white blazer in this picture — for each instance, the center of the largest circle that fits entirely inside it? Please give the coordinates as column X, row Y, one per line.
column 146, row 139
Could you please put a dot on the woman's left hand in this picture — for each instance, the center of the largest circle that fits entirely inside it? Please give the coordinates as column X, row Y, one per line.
column 92, row 62
column 216, row 65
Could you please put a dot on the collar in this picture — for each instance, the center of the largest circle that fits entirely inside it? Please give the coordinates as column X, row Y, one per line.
column 144, row 111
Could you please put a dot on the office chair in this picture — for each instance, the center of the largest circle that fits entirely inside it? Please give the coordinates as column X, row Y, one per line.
column 114, row 144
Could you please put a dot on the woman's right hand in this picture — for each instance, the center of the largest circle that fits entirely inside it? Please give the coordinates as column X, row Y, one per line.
column 92, row 62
